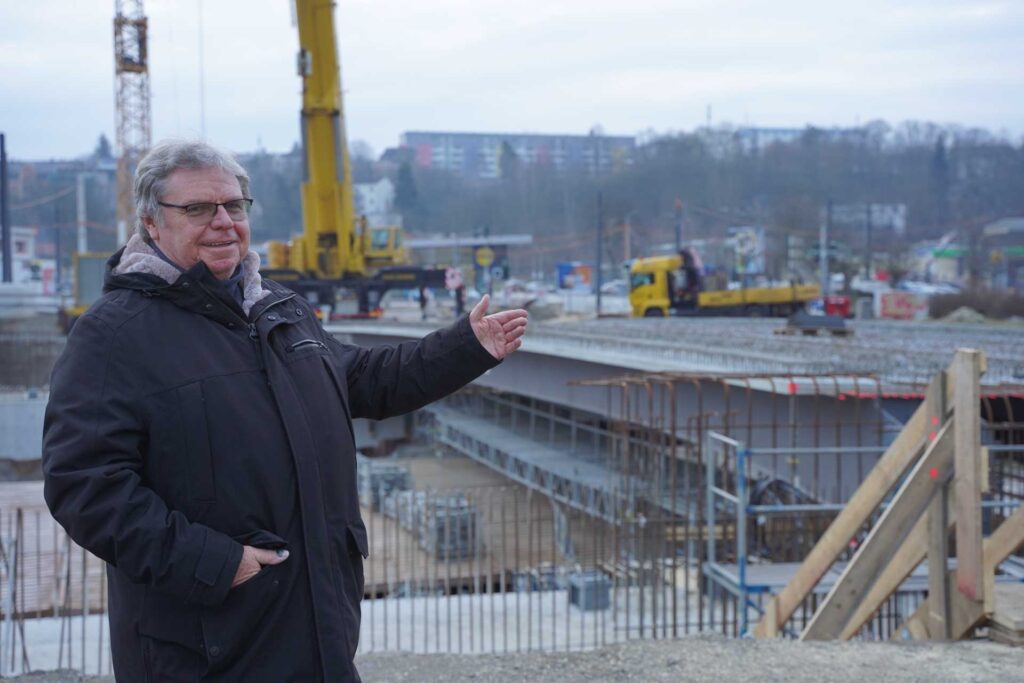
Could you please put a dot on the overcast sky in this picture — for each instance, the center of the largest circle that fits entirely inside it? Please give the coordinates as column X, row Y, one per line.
column 547, row 66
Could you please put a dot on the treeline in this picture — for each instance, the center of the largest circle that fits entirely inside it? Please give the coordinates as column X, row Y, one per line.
column 949, row 178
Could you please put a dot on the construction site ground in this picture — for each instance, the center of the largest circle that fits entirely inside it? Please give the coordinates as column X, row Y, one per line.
column 698, row 658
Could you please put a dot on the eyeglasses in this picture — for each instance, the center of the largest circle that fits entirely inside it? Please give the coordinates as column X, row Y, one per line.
column 237, row 209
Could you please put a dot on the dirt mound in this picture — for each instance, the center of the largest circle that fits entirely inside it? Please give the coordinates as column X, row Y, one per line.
column 965, row 314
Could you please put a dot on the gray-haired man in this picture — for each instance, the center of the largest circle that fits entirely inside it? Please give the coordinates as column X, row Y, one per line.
column 198, row 438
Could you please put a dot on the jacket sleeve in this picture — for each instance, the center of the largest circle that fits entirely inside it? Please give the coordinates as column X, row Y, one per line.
column 93, row 440
column 389, row 380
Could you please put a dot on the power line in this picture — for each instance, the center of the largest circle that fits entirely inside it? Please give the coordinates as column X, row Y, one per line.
column 46, row 199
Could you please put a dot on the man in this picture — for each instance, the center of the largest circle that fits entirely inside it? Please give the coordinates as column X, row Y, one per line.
column 198, row 438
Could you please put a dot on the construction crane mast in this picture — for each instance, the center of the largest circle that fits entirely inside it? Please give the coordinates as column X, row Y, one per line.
column 338, row 254
column 132, row 103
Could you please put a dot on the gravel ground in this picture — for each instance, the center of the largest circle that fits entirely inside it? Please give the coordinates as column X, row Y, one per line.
column 716, row 659
column 699, row 658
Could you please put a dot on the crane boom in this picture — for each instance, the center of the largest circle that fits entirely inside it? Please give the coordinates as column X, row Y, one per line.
column 329, row 246
column 336, row 255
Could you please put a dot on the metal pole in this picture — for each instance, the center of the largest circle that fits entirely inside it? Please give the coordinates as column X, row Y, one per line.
column 741, row 532
column 679, row 225
column 5, row 214
column 868, row 245
column 80, row 210
column 600, row 246
column 709, row 515
column 826, row 227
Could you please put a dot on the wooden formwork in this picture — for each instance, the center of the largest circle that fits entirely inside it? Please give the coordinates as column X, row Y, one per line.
column 940, row 468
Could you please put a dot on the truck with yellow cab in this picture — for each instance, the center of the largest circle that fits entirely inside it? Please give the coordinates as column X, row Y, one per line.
column 675, row 284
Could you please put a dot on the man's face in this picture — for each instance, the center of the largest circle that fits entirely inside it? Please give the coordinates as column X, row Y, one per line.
column 218, row 241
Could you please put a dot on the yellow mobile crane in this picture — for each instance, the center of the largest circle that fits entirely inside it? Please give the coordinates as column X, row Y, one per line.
column 336, row 251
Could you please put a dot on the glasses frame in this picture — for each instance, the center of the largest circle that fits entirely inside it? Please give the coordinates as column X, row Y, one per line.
column 216, row 205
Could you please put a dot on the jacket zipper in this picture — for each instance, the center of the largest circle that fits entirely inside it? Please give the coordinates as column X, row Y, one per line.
column 254, row 334
column 306, row 342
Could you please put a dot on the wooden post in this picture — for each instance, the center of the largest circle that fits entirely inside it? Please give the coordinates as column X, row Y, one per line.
column 938, row 533
column 908, row 505
column 996, row 548
column 938, row 572
column 889, row 469
column 967, row 368
column 904, row 561
column 771, row 619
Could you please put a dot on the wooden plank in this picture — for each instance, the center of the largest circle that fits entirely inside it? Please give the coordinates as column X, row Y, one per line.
column 932, row 471
column 772, row 618
column 893, row 464
column 938, row 531
column 938, row 573
column 903, row 562
column 967, row 416
column 997, row 547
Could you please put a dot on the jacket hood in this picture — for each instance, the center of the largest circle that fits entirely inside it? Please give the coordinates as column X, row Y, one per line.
column 137, row 266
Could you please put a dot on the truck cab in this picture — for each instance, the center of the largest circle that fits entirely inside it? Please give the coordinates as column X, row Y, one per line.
column 660, row 286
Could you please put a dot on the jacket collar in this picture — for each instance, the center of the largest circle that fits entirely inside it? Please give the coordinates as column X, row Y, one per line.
column 138, row 266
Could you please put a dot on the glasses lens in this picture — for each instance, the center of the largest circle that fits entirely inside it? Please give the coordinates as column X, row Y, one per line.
column 237, row 209
column 202, row 210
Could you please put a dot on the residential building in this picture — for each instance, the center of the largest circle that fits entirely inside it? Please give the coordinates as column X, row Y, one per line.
column 478, row 155
column 376, row 201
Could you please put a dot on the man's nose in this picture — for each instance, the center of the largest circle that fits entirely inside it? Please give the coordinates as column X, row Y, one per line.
column 221, row 219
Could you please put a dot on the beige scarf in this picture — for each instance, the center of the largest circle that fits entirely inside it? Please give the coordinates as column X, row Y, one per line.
column 139, row 257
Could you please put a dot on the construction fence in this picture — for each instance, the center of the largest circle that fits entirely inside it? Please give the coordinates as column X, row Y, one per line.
column 532, row 526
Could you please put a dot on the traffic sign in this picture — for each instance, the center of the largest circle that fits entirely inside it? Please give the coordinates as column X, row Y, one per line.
column 484, row 256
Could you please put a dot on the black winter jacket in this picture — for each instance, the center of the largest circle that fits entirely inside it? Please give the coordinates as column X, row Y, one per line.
column 179, row 429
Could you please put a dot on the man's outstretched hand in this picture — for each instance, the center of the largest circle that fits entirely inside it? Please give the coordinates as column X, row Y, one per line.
column 499, row 333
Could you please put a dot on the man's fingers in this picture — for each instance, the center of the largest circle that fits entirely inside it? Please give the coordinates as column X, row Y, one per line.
column 253, row 561
column 505, row 316
column 264, row 556
column 513, row 324
column 515, row 333
column 480, row 310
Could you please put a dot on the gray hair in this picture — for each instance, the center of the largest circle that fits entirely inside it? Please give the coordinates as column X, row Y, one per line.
column 166, row 157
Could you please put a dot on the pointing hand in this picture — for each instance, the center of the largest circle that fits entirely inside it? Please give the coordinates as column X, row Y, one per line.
column 499, row 333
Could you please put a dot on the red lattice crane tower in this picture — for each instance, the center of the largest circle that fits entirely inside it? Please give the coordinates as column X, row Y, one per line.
column 132, row 106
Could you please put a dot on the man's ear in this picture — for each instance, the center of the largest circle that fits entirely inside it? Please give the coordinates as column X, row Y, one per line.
column 152, row 228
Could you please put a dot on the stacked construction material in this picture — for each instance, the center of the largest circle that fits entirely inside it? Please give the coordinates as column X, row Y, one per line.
column 377, row 479
column 543, row 577
column 448, row 527
column 590, row 590
column 1007, row 623
column 405, row 506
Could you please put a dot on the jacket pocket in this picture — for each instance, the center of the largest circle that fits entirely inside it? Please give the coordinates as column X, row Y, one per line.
column 358, row 550
column 198, row 458
column 168, row 619
column 227, row 628
column 357, row 539
column 171, row 638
